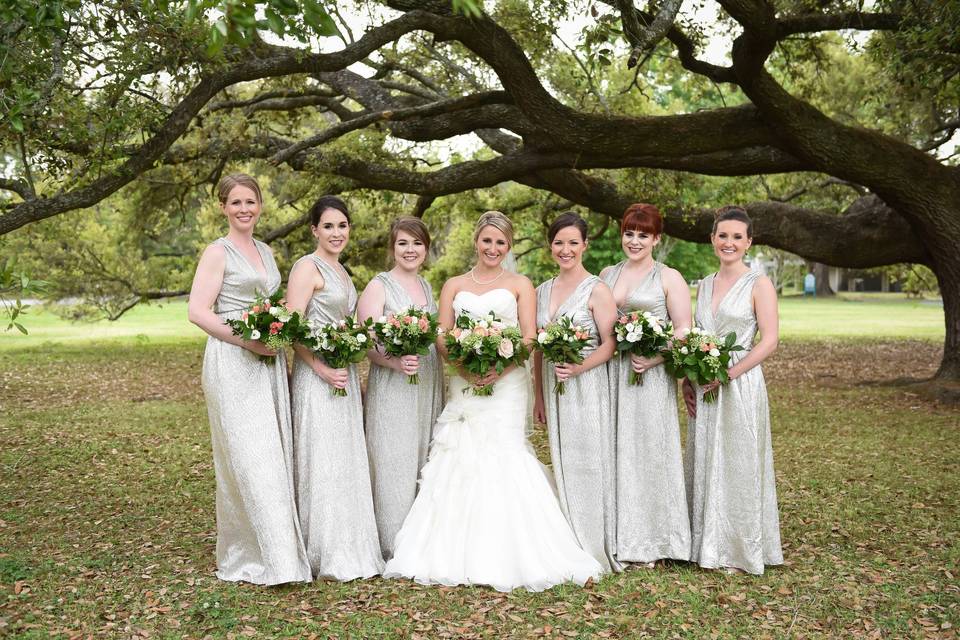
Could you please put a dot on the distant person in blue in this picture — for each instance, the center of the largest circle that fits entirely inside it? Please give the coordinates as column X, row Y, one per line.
column 810, row 285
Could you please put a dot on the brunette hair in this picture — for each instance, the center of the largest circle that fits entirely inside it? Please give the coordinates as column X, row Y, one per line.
column 227, row 183
column 497, row 220
column 408, row 224
column 732, row 212
column 328, row 202
column 567, row 219
column 642, row 217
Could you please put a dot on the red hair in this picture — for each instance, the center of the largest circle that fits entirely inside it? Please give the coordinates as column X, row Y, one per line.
column 642, row 217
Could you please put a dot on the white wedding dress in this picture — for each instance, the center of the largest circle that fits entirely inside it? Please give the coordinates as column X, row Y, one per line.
column 487, row 512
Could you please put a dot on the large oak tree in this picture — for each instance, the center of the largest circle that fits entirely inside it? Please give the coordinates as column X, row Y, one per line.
column 97, row 96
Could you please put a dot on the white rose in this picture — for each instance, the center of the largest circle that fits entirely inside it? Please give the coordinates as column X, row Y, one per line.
column 397, row 341
column 684, row 350
column 361, row 338
column 275, row 311
column 657, row 329
column 254, row 335
column 648, row 315
column 715, row 352
column 505, row 349
column 630, row 327
column 382, row 319
column 542, row 337
column 633, row 336
column 496, row 324
column 463, row 336
column 483, row 323
column 695, row 330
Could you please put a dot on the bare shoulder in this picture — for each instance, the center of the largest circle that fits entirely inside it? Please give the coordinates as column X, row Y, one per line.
column 374, row 287
column 453, row 285
column 519, row 283
column 673, row 278
column 607, row 269
column 601, row 293
column 764, row 287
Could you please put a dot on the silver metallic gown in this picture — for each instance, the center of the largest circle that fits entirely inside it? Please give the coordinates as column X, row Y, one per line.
column 729, row 458
column 258, row 536
column 330, row 453
column 581, row 433
column 652, row 517
column 399, row 419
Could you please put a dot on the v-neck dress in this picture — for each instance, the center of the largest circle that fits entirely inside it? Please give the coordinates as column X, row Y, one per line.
column 580, row 430
column 330, row 452
column 258, row 535
column 729, row 458
column 652, row 517
column 399, row 419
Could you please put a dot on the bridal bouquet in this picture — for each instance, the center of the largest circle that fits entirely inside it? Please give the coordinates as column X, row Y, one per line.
column 562, row 342
column 701, row 358
column 641, row 333
column 483, row 344
column 408, row 333
column 339, row 344
column 270, row 322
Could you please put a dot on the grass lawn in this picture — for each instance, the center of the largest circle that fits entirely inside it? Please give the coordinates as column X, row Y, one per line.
column 846, row 316
column 107, row 522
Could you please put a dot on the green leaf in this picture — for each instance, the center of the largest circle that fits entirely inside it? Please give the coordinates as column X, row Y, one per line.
column 20, row 328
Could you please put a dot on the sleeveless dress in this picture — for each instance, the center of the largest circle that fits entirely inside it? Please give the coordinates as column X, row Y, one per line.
column 580, row 427
column 399, row 418
column 330, row 453
column 258, row 536
column 729, row 461
column 486, row 512
column 652, row 517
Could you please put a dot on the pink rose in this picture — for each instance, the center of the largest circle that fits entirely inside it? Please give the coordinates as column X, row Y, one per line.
column 505, row 349
column 408, row 319
column 245, row 316
column 705, row 347
column 393, row 321
column 456, row 332
column 256, row 308
column 266, row 304
column 622, row 319
column 424, row 324
column 480, row 331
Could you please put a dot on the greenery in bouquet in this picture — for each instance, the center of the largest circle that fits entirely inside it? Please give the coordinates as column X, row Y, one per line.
column 270, row 321
column 701, row 358
column 482, row 344
column 339, row 344
column 408, row 333
column 562, row 342
column 643, row 334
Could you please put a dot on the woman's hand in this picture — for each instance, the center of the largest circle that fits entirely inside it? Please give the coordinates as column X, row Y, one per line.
column 689, row 398
column 258, row 348
column 488, row 378
column 408, row 365
column 539, row 410
column 336, row 378
column 565, row 371
column 710, row 386
column 640, row 365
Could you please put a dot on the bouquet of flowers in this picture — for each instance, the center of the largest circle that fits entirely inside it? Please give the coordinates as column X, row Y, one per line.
column 701, row 358
column 339, row 344
column 270, row 322
column 410, row 332
column 483, row 344
column 562, row 342
column 643, row 334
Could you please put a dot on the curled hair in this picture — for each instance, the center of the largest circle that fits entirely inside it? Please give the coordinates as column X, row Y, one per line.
column 564, row 220
column 227, row 184
column 642, row 217
column 328, row 202
column 496, row 220
column 409, row 224
column 732, row 212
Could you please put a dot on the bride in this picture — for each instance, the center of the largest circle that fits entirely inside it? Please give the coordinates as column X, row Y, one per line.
column 487, row 512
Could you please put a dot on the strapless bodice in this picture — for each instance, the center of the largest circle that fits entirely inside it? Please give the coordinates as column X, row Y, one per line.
column 500, row 301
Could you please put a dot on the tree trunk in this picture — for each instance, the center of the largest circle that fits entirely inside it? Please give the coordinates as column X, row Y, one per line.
column 948, row 276
column 822, row 274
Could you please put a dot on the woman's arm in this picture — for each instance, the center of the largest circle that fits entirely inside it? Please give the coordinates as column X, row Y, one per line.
column 207, row 282
column 445, row 313
column 677, row 295
column 768, row 322
column 539, row 407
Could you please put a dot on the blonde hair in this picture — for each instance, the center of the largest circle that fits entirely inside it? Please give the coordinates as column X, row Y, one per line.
column 227, row 184
column 496, row 220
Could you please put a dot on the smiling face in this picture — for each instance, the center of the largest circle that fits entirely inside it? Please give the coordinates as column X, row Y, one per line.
column 730, row 242
column 492, row 247
column 242, row 208
column 332, row 231
column 408, row 252
column 567, row 247
column 638, row 245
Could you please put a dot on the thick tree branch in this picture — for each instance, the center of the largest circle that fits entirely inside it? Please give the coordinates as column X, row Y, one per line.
column 835, row 21
column 646, row 38
column 20, row 187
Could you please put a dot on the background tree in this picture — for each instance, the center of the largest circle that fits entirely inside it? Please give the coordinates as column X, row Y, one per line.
column 101, row 96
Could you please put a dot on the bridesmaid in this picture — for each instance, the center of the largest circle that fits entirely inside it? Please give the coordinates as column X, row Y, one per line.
column 652, row 517
column 729, row 461
column 258, row 536
column 399, row 416
column 332, row 472
column 580, row 422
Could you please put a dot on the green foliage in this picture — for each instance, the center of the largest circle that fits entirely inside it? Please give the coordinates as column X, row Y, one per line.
column 16, row 284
